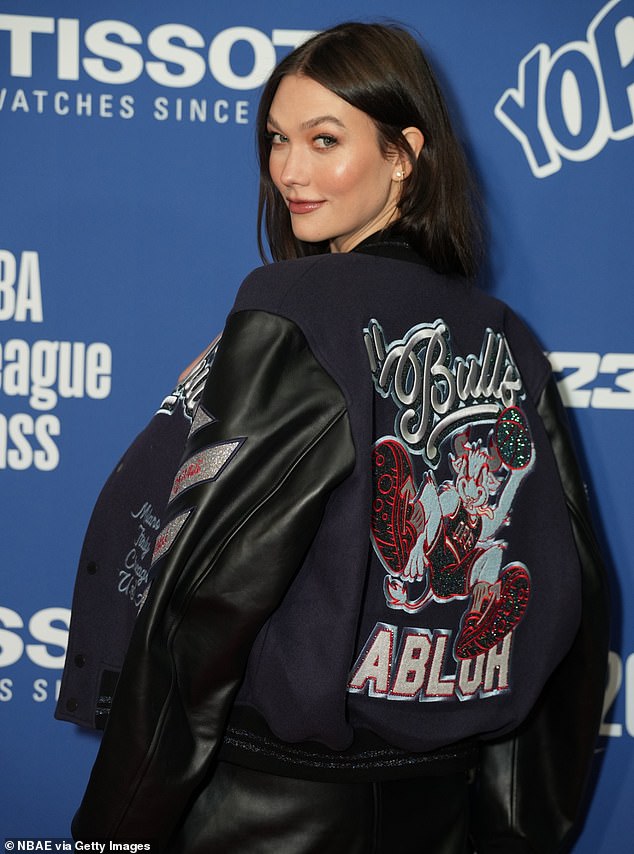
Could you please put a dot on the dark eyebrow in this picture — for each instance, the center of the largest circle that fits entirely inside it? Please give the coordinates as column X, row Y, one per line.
column 311, row 123
column 318, row 120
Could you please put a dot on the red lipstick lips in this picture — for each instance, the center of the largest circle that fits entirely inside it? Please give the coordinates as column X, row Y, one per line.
column 303, row 206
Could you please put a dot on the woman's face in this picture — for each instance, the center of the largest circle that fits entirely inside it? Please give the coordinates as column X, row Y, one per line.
column 326, row 162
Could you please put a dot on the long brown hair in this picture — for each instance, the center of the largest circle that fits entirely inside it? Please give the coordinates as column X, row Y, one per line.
column 381, row 70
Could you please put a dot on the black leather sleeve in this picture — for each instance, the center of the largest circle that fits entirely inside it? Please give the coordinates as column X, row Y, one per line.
column 531, row 785
column 250, row 518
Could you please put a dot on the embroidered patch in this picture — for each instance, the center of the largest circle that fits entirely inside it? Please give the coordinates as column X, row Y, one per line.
column 189, row 390
column 436, row 393
column 133, row 576
column 168, row 535
column 203, row 466
column 201, row 419
column 412, row 664
column 441, row 537
column 443, row 490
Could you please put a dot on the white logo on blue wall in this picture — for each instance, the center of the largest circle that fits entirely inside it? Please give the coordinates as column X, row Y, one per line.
column 41, row 373
column 117, row 53
column 599, row 381
column 43, row 53
column 570, row 103
column 43, row 640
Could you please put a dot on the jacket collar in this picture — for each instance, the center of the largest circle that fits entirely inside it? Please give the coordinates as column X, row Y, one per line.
column 389, row 244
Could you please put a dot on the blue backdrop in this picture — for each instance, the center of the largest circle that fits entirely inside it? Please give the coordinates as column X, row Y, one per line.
column 127, row 209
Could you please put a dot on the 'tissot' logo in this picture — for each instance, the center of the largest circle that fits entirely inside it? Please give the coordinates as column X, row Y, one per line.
column 117, row 53
column 569, row 103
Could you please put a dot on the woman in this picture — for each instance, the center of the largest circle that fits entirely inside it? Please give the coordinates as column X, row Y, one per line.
column 371, row 581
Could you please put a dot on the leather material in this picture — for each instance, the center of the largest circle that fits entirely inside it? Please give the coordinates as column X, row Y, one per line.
column 244, row 539
column 249, row 812
column 552, row 751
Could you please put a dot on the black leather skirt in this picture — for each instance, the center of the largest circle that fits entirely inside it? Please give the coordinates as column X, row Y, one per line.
column 243, row 811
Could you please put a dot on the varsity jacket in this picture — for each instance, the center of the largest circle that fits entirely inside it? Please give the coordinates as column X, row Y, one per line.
column 114, row 570
column 377, row 554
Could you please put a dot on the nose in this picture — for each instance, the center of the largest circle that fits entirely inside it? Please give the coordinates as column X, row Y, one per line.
column 293, row 168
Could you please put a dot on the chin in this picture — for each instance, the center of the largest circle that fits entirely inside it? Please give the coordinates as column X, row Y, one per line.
column 308, row 235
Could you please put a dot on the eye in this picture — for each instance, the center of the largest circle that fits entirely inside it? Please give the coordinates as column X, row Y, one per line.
column 276, row 138
column 324, row 140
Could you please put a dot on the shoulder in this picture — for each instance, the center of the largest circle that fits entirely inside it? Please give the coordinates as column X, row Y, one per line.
column 274, row 285
column 527, row 352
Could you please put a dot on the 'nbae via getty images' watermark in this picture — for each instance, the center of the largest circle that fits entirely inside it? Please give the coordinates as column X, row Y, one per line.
column 24, row 844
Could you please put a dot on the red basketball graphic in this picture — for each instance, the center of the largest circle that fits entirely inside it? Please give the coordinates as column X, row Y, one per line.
column 513, row 438
column 482, row 631
column 393, row 533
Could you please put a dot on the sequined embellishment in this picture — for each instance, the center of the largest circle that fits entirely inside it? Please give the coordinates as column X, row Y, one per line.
column 203, row 466
column 201, row 419
column 167, row 536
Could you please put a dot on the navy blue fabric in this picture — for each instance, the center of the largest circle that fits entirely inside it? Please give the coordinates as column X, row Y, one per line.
column 301, row 662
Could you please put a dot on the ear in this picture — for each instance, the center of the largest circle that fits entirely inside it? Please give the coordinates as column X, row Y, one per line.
column 416, row 141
